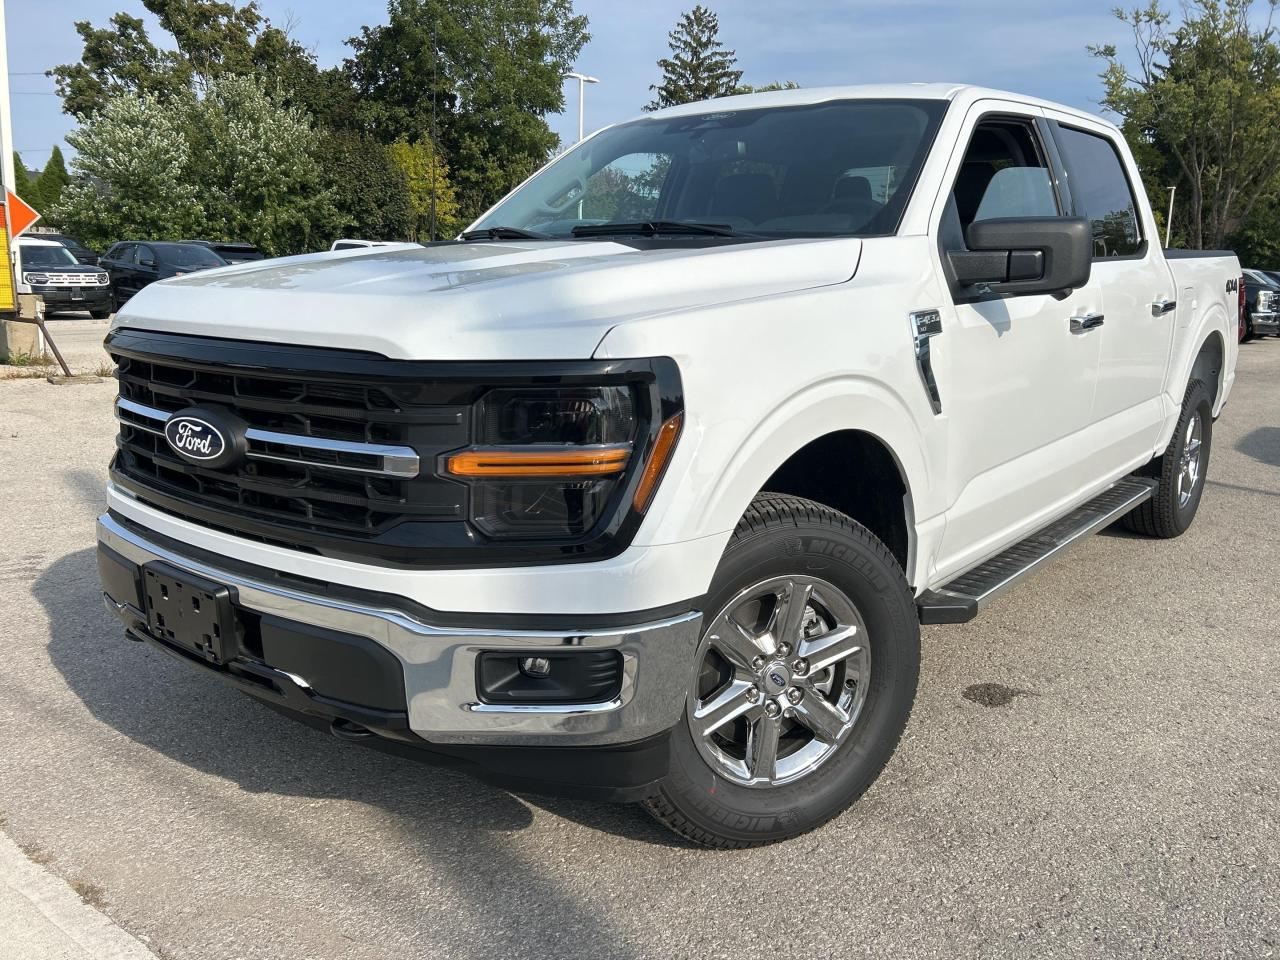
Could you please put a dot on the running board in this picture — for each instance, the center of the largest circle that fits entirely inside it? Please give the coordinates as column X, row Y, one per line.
column 961, row 599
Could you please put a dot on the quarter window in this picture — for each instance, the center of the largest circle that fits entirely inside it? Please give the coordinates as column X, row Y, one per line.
column 1100, row 191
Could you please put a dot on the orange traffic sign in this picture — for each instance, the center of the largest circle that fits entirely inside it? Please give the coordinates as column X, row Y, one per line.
column 21, row 216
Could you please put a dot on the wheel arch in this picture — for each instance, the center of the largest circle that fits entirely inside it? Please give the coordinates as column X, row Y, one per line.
column 851, row 420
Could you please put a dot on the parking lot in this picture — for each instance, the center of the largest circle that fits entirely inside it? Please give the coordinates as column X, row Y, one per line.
column 1092, row 769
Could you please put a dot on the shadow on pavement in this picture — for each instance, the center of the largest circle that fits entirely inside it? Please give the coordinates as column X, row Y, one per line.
column 1263, row 444
column 451, row 820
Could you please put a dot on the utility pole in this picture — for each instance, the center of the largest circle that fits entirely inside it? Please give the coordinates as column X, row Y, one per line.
column 583, row 80
column 6, row 119
column 1168, row 222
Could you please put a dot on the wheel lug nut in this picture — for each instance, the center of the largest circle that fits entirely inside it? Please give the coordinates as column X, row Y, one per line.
column 753, row 694
column 784, row 649
column 800, row 667
column 772, row 709
column 795, row 694
column 757, row 663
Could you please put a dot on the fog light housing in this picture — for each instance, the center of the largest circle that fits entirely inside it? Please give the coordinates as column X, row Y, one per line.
column 538, row 668
column 581, row 676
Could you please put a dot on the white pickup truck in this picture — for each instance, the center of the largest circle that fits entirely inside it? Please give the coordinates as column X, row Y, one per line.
column 642, row 488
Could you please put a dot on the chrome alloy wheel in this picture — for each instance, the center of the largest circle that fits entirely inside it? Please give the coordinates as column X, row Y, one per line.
column 1190, row 466
column 783, row 672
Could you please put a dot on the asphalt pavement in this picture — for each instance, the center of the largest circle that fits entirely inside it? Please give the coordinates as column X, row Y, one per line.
column 1092, row 770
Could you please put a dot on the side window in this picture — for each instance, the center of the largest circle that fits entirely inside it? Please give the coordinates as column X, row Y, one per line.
column 127, row 252
column 625, row 189
column 141, row 253
column 1100, row 191
column 1004, row 174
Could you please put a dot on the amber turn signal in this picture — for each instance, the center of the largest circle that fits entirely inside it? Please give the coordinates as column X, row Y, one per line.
column 668, row 434
column 600, row 461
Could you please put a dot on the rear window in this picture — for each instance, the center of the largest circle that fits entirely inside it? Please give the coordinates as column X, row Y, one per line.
column 189, row 256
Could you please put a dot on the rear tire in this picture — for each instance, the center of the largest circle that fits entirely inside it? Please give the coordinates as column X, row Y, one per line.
column 100, row 314
column 1181, row 471
column 815, row 720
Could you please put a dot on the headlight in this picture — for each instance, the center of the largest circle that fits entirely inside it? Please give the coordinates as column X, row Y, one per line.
column 36, row 278
column 103, row 278
column 547, row 463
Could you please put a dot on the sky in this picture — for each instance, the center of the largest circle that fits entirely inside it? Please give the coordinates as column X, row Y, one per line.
column 1037, row 47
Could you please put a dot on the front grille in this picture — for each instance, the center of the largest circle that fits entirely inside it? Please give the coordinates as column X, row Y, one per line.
column 343, row 446
column 345, row 487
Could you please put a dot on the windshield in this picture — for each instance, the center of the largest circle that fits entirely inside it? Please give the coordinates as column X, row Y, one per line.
column 190, row 256
column 41, row 256
column 844, row 168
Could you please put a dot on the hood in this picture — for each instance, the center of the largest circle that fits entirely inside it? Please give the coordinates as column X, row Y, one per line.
column 66, row 268
column 523, row 300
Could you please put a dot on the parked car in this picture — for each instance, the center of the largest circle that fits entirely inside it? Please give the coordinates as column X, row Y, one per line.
column 78, row 250
column 651, row 505
column 232, row 252
column 49, row 270
column 1262, row 304
column 134, row 264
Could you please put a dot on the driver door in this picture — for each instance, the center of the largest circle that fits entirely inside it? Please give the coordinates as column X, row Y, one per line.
column 1017, row 373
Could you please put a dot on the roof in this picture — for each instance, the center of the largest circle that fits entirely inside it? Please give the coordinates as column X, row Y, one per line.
column 804, row 96
column 36, row 242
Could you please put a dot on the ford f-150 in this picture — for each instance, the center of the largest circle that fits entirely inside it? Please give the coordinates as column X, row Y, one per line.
column 642, row 487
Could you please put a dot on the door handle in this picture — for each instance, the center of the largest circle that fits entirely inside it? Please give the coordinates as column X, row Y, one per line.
column 1085, row 323
column 1161, row 307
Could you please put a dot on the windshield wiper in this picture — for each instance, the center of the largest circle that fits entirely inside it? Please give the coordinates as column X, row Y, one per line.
column 651, row 228
column 504, row 233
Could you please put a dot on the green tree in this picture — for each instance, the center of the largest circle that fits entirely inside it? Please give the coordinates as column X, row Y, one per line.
column 1205, row 95
column 119, row 59
column 699, row 68
column 477, row 77
column 210, row 39
column 767, row 87
column 21, row 182
column 432, row 201
column 256, row 167
column 48, row 187
column 369, row 190
column 132, row 174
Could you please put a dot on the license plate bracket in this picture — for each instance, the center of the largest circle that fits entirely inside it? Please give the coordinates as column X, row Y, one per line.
column 191, row 612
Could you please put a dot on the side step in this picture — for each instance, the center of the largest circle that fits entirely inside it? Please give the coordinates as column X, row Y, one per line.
column 960, row 600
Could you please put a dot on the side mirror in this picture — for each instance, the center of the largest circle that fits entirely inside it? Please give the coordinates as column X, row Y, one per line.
column 146, row 263
column 1025, row 255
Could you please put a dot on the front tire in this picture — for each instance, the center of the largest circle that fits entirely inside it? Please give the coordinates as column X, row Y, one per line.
column 1181, row 471
column 803, row 682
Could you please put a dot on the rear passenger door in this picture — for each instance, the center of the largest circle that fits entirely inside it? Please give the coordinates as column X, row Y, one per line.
column 1139, row 299
column 119, row 264
column 1015, row 374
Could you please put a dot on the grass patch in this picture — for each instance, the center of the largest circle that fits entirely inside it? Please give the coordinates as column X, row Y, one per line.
column 26, row 373
column 25, row 359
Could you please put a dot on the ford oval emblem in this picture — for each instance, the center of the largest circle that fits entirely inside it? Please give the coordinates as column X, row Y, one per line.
column 777, row 678
column 194, row 438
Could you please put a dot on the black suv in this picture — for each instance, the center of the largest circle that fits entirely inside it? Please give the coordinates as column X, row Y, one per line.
column 78, row 249
column 135, row 263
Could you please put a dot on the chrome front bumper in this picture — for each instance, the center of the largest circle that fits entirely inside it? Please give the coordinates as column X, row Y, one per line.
column 439, row 663
column 1267, row 319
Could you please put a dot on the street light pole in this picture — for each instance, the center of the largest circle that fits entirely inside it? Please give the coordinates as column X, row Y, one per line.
column 583, row 80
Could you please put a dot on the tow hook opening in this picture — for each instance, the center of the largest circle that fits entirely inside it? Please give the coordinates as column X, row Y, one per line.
column 345, row 729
